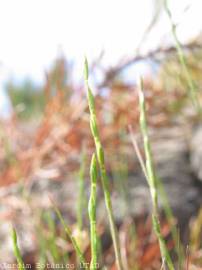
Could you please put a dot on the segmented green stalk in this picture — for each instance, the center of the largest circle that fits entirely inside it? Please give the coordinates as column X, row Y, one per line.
column 183, row 62
column 101, row 162
column 17, row 250
column 152, row 182
column 69, row 234
column 92, row 213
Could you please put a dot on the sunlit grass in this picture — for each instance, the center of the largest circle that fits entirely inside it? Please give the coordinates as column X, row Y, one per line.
column 101, row 162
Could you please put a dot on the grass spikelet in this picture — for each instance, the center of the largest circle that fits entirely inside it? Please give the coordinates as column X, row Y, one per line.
column 101, row 162
column 151, row 179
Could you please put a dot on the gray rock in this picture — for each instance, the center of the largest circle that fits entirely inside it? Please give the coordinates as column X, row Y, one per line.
column 196, row 153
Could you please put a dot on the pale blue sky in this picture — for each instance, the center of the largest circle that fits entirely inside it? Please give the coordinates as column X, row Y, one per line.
column 31, row 31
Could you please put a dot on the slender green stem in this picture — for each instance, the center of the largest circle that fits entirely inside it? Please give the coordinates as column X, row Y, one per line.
column 182, row 59
column 51, row 241
column 69, row 234
column 152, row 181
column 17, row 250
column 170, row 218
column 166, row 206
column 101, row 162
column 92, row 213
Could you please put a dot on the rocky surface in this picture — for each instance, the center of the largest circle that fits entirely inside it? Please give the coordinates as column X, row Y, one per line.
column 177, row 157
column 196, row 153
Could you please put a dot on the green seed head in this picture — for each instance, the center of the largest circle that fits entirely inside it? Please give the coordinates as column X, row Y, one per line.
column 104, row 179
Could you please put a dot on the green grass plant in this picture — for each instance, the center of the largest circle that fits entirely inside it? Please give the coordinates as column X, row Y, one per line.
column 17, row 250
column 69, row 235
column 101, row 162
column 51, row 241
column 152, row 180
column 92, row 214
column 165, row 202
column 183, row 62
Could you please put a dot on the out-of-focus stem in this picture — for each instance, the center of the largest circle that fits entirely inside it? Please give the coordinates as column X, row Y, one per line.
column 152, row 182
column 192, row 88
column 17, row 250
column 69, row 234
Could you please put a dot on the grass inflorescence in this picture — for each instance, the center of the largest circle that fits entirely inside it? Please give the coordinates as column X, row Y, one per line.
column 101, row 162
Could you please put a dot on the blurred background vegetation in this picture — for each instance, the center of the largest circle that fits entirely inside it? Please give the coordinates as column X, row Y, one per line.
column 27, row 99
column 43, row 158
